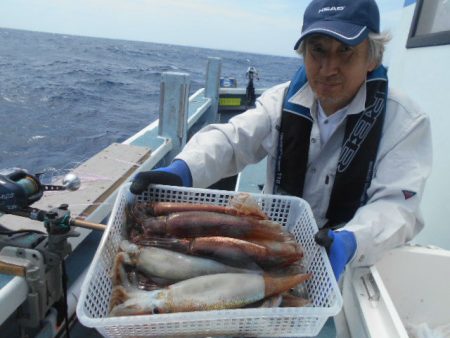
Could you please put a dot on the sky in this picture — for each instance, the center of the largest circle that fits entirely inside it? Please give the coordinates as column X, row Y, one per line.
column 258, row 26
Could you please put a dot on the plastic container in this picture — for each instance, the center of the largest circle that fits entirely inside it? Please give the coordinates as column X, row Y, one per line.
column 405, row 294
column 292, row 212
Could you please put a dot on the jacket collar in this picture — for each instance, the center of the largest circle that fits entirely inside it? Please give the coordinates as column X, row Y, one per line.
column 305, row 97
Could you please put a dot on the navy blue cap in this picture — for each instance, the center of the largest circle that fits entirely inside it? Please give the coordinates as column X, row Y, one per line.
column 348, row 21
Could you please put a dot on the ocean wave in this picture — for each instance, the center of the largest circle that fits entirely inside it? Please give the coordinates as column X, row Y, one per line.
column 14, row 98
column 74, row 95
column 109, row 83
column 53, row 63
column 36, row 138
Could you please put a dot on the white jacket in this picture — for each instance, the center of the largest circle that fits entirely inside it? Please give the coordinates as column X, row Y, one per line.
column 391, row 216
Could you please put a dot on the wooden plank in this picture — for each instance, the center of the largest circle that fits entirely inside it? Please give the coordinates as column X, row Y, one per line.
column 100, row 176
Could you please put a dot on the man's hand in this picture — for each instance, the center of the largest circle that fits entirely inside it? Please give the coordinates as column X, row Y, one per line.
column 177, row 173
column 340, row 245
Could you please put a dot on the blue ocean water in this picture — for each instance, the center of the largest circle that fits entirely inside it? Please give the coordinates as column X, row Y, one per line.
column 64, row 98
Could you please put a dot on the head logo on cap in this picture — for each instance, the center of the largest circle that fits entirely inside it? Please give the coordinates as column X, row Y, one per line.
column 328, row 9
column 348, row 21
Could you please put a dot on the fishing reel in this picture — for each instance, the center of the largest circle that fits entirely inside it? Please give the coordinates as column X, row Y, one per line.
column 252, row 73
column 19, row 189
column 35, row 255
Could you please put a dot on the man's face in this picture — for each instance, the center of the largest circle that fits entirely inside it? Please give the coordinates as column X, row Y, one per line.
column 335, row 71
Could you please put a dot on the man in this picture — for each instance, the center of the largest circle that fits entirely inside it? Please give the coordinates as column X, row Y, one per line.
column 336, row 135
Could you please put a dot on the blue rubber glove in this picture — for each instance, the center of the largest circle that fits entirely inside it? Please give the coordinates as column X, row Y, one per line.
column 340, row 245
column 177, row 173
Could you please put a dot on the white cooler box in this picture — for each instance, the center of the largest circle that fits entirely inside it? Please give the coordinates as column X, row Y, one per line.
column 406, row 294
column 293, row 213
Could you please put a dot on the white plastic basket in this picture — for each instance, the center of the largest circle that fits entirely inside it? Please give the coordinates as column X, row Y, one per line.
column 292, row 212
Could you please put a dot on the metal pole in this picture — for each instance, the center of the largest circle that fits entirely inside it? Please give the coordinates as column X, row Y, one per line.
column 173, row 109
column 212, row 88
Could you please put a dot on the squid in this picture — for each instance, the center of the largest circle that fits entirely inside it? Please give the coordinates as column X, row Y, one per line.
column 290, row 300
column 234, row 251
column 204, row 224
column 242, row 204
column 203, row 293
column 165, row 264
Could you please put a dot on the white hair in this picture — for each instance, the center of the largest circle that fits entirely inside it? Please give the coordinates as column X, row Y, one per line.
column 377, row 45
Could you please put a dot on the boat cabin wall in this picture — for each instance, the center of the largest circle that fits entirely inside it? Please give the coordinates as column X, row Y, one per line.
column 423, row 73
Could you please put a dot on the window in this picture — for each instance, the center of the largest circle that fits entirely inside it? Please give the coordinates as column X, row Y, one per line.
column 431, row 24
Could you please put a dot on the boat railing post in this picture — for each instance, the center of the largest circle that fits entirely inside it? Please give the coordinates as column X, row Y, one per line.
column 173, row 110
column 212, row 88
